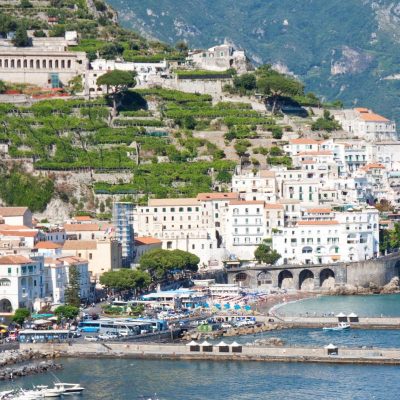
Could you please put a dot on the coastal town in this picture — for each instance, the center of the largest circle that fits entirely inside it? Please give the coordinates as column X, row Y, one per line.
column 168, row 203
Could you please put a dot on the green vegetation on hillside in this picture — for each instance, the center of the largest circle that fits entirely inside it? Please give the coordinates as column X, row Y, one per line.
column 18, row 188
column 339, row 49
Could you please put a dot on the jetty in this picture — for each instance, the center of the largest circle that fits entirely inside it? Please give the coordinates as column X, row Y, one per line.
column 220, row 352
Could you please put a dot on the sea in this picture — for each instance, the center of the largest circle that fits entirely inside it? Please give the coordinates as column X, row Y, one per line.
column 131, row 379
column 364, row 306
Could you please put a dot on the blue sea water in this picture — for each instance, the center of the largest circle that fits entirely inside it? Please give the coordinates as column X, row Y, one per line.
column 318, row 338
column 364, row 306
column 122, row 379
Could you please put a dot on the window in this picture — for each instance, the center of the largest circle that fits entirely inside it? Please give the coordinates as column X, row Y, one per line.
column 180, row 209
column 9, row 270
column 90, row 256
column 169, row 245
column 172, row 209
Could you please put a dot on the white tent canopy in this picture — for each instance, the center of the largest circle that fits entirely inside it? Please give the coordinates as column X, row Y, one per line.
column 341, row 315
column 353, row 315
column 331, row 347
column 221, row 344
column 205, row 343
column 192, row 343
column 235, row 344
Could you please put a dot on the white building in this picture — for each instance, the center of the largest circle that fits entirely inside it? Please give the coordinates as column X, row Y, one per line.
column 21, row 282
column 147, row 73
column 323, row 238
column 365, row 124
column 47, row 63
column 219, row 58
column 16, row 216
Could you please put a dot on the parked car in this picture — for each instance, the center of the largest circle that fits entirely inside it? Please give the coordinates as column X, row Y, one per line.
column 225, row 325
column 91, row 338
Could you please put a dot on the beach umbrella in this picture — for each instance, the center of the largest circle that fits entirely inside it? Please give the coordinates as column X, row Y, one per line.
column 247, row 307
column 41, row 322
column 217, row 305
column 206, row 305
column 237, row 307
column 227, row 306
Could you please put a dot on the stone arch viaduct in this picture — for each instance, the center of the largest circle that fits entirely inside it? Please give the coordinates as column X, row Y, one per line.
column 379, row 271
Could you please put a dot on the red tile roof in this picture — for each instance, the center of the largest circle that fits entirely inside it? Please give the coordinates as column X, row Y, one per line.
column 243, row 202
column 13, row 211
column 143, row 240
column 80, row 245
column 217, row 196
column 303, row 141
column 333, row 222
column 48, row 245
column 14, row 260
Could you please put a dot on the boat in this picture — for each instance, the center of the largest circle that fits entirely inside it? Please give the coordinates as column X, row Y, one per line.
column 341, row 326
column 69, row 388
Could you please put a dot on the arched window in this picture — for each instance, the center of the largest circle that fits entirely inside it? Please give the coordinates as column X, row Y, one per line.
column 18, row 63
column 50, row 63
column 69, row 63
column 30, row 63
column 44, row 64
column 25, row 63
column 5, row 282
column 56, row 63
column 12, row 63
column 62, row 64
column 37, row 64
column 5, row 63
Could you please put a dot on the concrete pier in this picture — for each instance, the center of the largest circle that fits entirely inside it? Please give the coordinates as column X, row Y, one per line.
column 246, row 353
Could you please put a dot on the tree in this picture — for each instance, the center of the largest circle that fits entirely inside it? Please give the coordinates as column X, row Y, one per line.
column 182, row 46
column 246, row 82
column 75, row 85
column 72, row 292
column 3, row 86
column 277, row 132
column 111, row 50
column 20, row 315
column 158, row 262
column 21, row 38
column 7, row 24
column 25, row 4
column 265, row 254
column 118, row 82
column 276, row 86
column 68, row 312
column 39, row 33
column 125, row 279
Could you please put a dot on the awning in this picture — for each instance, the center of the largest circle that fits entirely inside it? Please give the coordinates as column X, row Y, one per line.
column 235, row 344
column 221, row 344
column 192, row 343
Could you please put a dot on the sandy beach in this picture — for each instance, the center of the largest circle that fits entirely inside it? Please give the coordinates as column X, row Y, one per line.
column 274, row 300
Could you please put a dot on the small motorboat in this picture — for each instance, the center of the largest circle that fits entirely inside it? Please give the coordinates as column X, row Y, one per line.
column 341, row 326
column 69, row 388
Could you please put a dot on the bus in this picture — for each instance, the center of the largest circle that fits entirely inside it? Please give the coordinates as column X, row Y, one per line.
column 133, row 326
column 44, row 336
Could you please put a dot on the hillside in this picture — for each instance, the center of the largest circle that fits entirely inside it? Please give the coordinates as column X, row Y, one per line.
column 340, row 49
column 76, row 155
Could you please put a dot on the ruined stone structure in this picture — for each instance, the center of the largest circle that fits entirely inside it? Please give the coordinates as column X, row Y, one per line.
column 378, row 271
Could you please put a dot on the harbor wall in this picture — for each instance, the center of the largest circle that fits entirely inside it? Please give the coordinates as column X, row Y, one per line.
column 249, row 353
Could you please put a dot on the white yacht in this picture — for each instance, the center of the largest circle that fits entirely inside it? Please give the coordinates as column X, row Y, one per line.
column 69, row 388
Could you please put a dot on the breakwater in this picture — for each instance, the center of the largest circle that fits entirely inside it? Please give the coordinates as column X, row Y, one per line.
column 34, row 362
column 214, row 353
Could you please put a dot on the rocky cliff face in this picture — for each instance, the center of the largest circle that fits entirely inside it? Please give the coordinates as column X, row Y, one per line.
column 341, row 49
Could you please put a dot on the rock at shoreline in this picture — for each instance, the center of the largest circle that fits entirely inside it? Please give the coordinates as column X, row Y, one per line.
column 392, row 287
column 30, row 369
